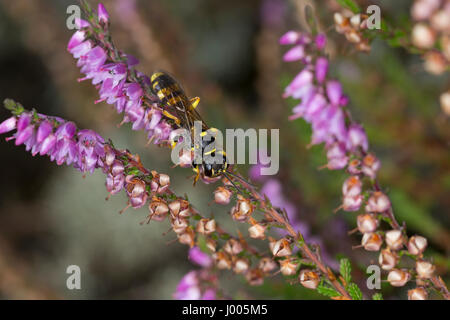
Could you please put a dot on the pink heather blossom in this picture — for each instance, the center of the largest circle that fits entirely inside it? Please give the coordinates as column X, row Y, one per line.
column 199, row 257
column 294, row 54
column 321, row 41
column 112, row 80
column 196, row 285
column 103, row 15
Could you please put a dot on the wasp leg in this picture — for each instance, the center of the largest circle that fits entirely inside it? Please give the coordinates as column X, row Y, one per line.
column 197, row 176
column 194, row 102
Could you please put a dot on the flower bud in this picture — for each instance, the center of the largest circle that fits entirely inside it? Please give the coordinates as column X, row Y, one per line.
column 351, row 204
column 240, row 266
column 440, row 21
column 352, row 187
column 445, row 102
column 417, row 245
column 233, row 247
column 424, row 269
column 187, row 237
column 206, row 226
column 164, row 180
column 387, row 259
column 370, row 166
column 288, row 267
column 367, row 223
column 354, row 167
column 435, row 62
column 309, row 279
column 222, row 260
column 398, row 278
column 371, row 241
column 267, row 265
column 423, row 36
column 353, row 36
column 222, row 195
column 257, row 231
column 158, row 209
column 280, row 248
column 179, row 225
column 103, row 15
column 418, row 293
column 356, row 21
column 255, row 277
column 378, row 202
column 211, row 244
column 394, row 239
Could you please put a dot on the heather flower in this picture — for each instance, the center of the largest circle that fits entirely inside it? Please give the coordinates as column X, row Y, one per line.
column 199, row 257
column 417, row 245
column 103, row 15
column 398, row 278
column 309, row 279
column 8, row 125
column 196, row 285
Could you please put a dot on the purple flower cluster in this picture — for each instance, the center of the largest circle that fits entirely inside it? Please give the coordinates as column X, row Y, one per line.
column 111, row 76
column 322, row 101
column 56, row 138
column 196, row 285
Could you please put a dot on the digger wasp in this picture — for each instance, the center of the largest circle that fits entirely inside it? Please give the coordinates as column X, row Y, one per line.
column 182, row 110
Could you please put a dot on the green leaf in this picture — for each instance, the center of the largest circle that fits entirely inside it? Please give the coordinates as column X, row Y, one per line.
column 346, row 270
column 377, row 296
column 327, row 291
column 350, row 4
column 354, row 291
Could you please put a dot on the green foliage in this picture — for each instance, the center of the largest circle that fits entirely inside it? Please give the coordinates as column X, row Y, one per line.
column 327, row 290
column 346, row 270
column 377, row 296
column 354, row 291
column 350, row 4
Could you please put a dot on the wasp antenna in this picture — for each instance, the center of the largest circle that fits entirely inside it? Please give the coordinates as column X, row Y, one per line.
column 234, row 185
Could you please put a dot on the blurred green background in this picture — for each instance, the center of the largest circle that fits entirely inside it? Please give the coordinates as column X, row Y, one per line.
column 227, row 53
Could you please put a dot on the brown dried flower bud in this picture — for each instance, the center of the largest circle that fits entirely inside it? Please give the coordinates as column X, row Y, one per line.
column 372, row 241
column 179, row 225
column 267, row 265
column 417, row 245
column 222, row 260
column 394, row 239
column 222, row 195
column 288, row 266
column 257, row 231
column 233, row 247
column 425, row 269
column 255, row 277
column 352, row 187
column 445, row 102
column 309, row 279
column 440, row 21
column 418, row 293
column 398, row 278
column 241, row 265
column 387, row 259
column 211, row 244
column 435, row 62
column 355, row 21
column 158, row 209
column 423, row 36
column 367, row 223
column 280, row 248
column 187, row 237
column 180, row 208
column 353, row 36
column 206, row 226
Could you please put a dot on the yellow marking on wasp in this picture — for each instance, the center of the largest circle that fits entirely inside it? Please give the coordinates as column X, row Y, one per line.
column 168, row 115
column 210, row 152
column 194, row 102
column 156, row 75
